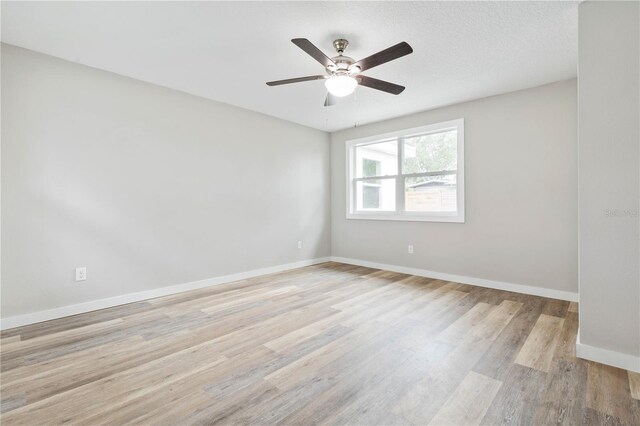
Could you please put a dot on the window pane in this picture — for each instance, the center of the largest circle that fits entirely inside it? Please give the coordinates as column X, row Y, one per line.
column 377, row 159
column 430, row 153
column 371, row 197
column 376, row 195
column 371, row 167
column 431, row 193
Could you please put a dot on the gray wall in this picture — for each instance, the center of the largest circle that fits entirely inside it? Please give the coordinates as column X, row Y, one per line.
column 145, row 186
column 609, row 187
column 521, row 194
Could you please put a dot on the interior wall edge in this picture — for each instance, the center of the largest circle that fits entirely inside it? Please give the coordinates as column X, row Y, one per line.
column 109, row 302
column 480, row 282
column 607, row 356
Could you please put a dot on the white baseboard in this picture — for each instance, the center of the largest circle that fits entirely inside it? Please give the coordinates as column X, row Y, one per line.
column 606, row 356
column 480, row 282
column 94, row 305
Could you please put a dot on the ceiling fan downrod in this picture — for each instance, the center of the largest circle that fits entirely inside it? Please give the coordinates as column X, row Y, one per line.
column 340, row 45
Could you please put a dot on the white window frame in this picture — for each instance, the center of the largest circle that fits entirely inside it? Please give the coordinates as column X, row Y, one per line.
column 400, row 213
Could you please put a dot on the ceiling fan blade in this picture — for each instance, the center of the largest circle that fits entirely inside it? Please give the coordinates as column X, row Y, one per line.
column 313, row 51
column 385, row 86
column 295, row 80
column 386, row 55
column 330, row 100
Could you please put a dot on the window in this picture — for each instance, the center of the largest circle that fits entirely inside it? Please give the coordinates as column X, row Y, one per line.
column 416, row 174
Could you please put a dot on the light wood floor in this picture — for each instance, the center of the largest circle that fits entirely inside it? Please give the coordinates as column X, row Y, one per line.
column 331, row 344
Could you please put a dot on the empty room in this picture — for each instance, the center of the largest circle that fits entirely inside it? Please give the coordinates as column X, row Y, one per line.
column 320, row 213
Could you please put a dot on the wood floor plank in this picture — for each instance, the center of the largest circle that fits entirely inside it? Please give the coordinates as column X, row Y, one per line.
column 381, row 287
column 276, row 361
column 325, row 344
column 39, row 381
column 242, row 296
column 563, row 400
column 8, row 340
column 293, row 373
column 566, row 346
column 517, row 400
column 634, row 384
column 422, row 401
column 373, row 404
column 594, row 417
column 469, row 402
column 365, row 363
column 363, row 375
column 456, row 332
column 138, row 410
column 442, row 312
column 213, row 409
column 137, row 382
column 11, row 402
column 82, row 320
column 248, row 337
column 573, row 307
column 443, row 299
column 46, row 341
column 261, row 295
column 495, row 321
column 300, row 334
column 608, row 391
column 557, row 308
column 499, row 358
column 537, row 351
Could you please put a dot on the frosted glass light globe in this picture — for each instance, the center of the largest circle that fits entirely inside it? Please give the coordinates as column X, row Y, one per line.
column 341, row 85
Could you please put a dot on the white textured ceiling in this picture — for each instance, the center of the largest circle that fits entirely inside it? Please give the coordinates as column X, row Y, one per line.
column 226, row 51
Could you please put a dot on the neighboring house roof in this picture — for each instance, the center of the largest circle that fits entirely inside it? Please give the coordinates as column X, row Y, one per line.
column 431, row 183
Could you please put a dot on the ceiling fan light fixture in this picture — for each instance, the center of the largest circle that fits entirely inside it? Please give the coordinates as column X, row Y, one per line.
column 341, row 85
column 353, row 70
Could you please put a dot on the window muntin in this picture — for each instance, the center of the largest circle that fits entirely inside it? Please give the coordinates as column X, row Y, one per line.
column 430, row 185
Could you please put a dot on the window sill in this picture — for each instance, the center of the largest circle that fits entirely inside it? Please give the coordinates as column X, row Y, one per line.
column 407, row 217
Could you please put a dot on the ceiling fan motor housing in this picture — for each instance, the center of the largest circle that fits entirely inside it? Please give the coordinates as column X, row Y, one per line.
column 341, row 64
column 340, row 45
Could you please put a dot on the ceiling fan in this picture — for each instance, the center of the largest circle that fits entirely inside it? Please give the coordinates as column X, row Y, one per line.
column 343, row 73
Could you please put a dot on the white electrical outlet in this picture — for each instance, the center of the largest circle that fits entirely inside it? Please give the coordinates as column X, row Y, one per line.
column 81, row 273
column 299, row 244
column 410, row 249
